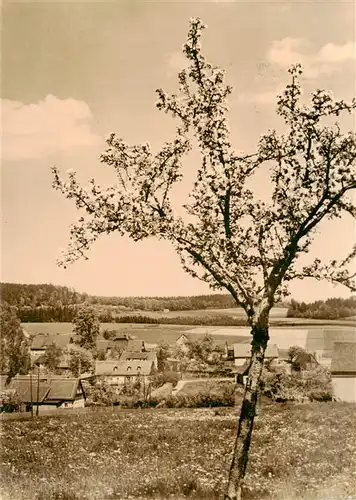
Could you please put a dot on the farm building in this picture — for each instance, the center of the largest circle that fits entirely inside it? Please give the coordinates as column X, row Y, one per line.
column 49, row 392
column 135, row 345
column 62, row 367
column 65, row 393
column 118, row 373
column 41, row 341
column 343, row 371
column 182, row 342
column 147, row 355
column 120, row 340
column 242, row 352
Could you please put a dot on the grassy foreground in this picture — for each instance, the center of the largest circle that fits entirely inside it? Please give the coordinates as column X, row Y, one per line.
column 298, row 452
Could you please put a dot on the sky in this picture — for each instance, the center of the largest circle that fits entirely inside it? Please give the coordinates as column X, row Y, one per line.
column 73, row 72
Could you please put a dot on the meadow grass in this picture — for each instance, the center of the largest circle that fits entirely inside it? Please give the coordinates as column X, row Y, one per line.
column 304, row 452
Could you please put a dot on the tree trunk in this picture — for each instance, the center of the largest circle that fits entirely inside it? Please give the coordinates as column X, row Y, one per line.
column 247, row 413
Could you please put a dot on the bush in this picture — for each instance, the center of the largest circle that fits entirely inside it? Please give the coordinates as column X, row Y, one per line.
column 10, row 402
column 209, row 398
column 162, row 378
column 101, row 395
column 313, row 385
column 319, row 395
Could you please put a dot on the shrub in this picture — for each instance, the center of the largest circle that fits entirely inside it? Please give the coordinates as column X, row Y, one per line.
column 319, row 395
column 209, row 398
column 163, row 377
column 314, row 385
column 10, row 402
column 101, row 395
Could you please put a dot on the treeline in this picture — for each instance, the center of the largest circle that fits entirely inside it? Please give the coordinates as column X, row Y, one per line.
column 180, row 303
column 32, row 296
column 335, row 308
column 56, row 297
column 47, row 314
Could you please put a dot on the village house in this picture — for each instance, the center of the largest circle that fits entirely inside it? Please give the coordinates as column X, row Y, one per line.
column 343, row 371
column 242, row 352
column 147, row 355
column 62, row 367
column 49, row 391
column 134, row 345
column 65, row 393
column 183, row 342
column 41, row 341
column 118, row 373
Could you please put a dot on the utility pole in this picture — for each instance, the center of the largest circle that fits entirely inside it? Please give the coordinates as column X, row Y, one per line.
column 31, row 395
column 38, row 389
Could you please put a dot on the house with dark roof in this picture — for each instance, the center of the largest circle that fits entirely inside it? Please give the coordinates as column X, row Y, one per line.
column 49, row 392
column 41, row 341
column 343, row 371
column 29, row 389
column 134, row 345
column 62, row 367
column 147, row 355
column 242, row 352
column 65, row 393
column 117, row 372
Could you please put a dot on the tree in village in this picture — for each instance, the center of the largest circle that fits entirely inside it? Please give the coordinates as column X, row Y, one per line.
column 87, row 327
column 163, row 352
column 80, row 360
column 52, row 357
column 14, row 346
column 229, row 238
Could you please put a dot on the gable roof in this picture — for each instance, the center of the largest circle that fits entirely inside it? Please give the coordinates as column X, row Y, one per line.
column 51, row 389
column 135, row 345
column 102, row 344
column 120, row 368
column 243, row 369
column 344, row 358
column 244, row 351
column 63, row 362
column 148, row 355
column 120, row 336
column 22, row 385
column 42, row 341
column 64, row 389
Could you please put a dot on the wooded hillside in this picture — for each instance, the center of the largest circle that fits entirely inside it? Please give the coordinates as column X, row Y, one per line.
column 46, row 302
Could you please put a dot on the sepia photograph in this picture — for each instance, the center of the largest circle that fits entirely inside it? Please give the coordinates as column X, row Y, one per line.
column 178, row 250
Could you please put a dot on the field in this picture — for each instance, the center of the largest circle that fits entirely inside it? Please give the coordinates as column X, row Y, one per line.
column 234, row 312
column 304, row 452
column 318, row 337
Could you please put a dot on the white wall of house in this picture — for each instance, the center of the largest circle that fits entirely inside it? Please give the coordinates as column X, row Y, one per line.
column 122, row 379
column 78, row 403
column 344, row 388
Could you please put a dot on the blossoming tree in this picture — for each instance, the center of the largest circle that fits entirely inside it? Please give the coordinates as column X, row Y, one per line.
column 229, row 238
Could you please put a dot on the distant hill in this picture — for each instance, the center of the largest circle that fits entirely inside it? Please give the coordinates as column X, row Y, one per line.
column 47, row 302
column 22, row 295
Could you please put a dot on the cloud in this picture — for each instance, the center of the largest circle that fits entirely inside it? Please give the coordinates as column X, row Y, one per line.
column 44, row 128
column 329, row 59
column 332, row 53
